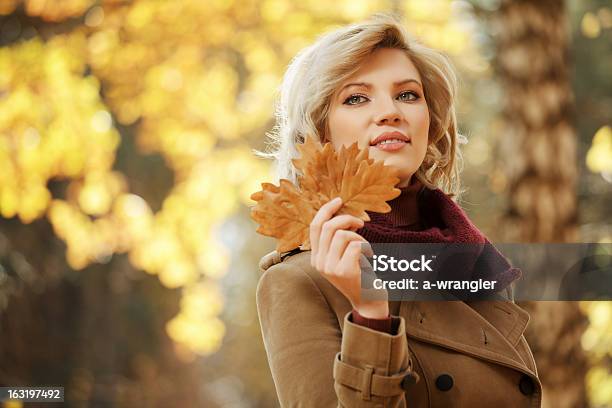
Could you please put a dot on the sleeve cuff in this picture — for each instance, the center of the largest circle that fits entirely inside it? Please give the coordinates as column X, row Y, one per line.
column 383, row 325
column 365, row 346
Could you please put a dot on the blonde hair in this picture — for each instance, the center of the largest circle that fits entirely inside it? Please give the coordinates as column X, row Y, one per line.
column 317, row 71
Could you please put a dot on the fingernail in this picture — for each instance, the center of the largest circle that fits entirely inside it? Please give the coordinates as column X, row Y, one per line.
column 337, row 200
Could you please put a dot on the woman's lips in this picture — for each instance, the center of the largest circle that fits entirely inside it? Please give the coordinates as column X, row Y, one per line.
column 391, row 147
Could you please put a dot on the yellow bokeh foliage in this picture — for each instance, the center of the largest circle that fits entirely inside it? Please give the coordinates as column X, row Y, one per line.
column 599, row 156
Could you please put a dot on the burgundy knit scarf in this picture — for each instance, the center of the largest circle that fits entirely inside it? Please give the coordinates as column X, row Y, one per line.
column 443, row 221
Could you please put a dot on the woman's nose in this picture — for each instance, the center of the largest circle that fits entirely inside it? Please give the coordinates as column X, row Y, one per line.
column 387, row 113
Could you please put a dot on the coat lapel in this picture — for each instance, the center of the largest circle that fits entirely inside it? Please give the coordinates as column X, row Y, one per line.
column 489, row 330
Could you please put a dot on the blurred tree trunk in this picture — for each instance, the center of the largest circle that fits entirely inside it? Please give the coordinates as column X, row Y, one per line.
column 539, row 142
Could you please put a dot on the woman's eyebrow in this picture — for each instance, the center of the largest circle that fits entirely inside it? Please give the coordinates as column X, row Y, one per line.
column 368, row 85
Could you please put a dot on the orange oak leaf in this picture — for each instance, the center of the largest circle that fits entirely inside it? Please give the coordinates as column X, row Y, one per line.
column 362, row 183
column 283, row 213
column 286, row 212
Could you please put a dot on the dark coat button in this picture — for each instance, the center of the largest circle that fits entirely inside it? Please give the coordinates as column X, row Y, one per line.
column 444, row 382
column 526, row 385
column 408, row 380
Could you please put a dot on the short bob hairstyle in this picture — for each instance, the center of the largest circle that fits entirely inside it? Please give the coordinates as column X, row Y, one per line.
column 317, row 72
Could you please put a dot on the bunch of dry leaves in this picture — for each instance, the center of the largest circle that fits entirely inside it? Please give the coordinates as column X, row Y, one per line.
column 286, row 211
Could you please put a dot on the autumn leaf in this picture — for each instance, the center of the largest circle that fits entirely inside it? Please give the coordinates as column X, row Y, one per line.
column 363, row 184
column 286, row 212
column 283, row 213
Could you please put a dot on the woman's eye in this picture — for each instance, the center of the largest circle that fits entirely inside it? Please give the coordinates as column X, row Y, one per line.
column 408, row 96
column 354, row 99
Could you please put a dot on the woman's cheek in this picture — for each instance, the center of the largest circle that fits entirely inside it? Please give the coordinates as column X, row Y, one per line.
column 420, row 149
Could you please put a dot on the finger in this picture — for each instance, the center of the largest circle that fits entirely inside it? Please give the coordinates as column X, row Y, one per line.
column 349, row 262
column 323, row 214
column 357, row 225
column 329, row 229
column 340, row 241
column 344, row 221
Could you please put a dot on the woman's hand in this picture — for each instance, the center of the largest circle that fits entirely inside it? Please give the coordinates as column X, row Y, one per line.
column 336, row 251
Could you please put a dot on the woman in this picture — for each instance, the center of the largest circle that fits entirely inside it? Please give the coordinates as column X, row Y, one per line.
column 372, row 83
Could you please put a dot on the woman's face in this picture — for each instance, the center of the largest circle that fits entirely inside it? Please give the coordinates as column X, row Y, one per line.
column 384, row 98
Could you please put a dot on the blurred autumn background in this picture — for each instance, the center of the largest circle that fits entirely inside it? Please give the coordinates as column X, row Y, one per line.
column 128, row 261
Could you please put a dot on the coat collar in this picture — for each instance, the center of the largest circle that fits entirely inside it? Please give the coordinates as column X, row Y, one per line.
column 490, row 330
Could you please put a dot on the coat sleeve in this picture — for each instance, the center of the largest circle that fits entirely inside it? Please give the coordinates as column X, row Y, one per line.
column 313, row 363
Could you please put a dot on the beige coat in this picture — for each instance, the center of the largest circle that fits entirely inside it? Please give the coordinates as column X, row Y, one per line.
column 444, row 354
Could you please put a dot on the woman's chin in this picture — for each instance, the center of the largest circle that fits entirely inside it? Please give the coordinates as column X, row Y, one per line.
column 402, row 164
